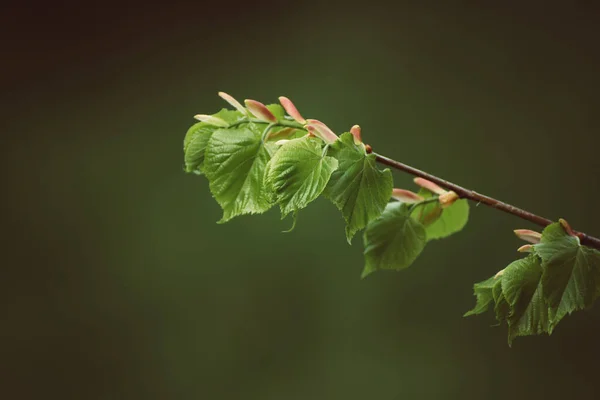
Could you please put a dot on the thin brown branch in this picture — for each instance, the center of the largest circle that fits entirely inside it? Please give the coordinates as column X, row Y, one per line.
column 483, row 199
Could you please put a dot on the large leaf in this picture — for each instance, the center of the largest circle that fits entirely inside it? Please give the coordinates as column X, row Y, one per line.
column 522, row 289
column 197, row 136
column 235, row 165
column 440, row 223
column 394, row 240
column 358, row 188
column 298, row 173
column 484, row 294
column 571, row 277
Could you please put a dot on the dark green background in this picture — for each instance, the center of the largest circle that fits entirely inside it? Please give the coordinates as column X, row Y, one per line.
column 118, row 284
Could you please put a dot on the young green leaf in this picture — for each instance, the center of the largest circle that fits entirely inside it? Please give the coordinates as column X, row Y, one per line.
column 197, row 136
column 440, row 223
column 298, row 173
column 571, row 276
column 501, row 308
column 522, row 288
column 195, row 147
column 358, row 188
column 277, row 111
column 235, row 165
column 484, row 296
column 394, row 240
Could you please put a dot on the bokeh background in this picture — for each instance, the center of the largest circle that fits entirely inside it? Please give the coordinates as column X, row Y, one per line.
column 117, row 283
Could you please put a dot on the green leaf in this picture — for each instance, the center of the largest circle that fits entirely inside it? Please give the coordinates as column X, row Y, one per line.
column 501, row 308
column 394, row 240
column 440, row 223
column 522, row 288
column 197, row 136
column 484, row 295
column 235, row 165
column 195, row 145
column 358, row 188
column 277, row 111
column 298, row 173
column 571, row 276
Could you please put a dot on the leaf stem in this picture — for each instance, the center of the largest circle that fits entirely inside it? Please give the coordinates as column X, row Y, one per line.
column 413, row 207
column 483, row 199
column 289, row 124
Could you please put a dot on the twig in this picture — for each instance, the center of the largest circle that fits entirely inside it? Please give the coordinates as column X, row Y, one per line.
column 483, row 199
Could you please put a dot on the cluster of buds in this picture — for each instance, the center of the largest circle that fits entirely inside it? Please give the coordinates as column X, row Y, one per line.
column 533, row 237
column 445, row 197
column 258, row 110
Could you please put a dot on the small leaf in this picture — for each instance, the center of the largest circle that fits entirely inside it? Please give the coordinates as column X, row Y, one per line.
column 484, row 295
column 277, row 111
column 358, row 188
column 440, row 223
column 571, row 277
column 394, row 240
column 298, row 173
column 522, row 288
column 235, row 165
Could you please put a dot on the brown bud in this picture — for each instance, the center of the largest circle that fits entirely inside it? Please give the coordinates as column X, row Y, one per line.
column 447, row 199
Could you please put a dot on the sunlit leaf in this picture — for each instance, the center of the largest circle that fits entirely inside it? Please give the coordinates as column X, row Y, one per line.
column 358, row 188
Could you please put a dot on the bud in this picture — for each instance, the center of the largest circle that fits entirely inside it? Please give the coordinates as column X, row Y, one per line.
column 447, row 199
column 406, row 196
column 260, row 111
column 567, row 227
column 431, row 216
column 291, row 109
column 432, row 187
column 282, row 133
column 236, row 104
column 209, row 119
column 527, row 248
column 528, row 235
column 321, row 130
column 355, row 131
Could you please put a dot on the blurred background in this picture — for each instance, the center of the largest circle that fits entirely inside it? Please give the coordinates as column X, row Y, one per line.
column 117, row 283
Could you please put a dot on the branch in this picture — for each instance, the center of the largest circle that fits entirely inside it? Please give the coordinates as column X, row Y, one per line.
column 483, row 199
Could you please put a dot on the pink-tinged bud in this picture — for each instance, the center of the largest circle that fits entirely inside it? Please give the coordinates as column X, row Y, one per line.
column 499, row 274
column 291, row 109
column 236, row 104
column 260, row 111
column 432, row 187
column 567, row 227
column 527, row 248
column 355, row 131
column 406, row 196
column 447, row 199
column 528, row 235
column 282, row 133
column 209, row 119
column 321, row 130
